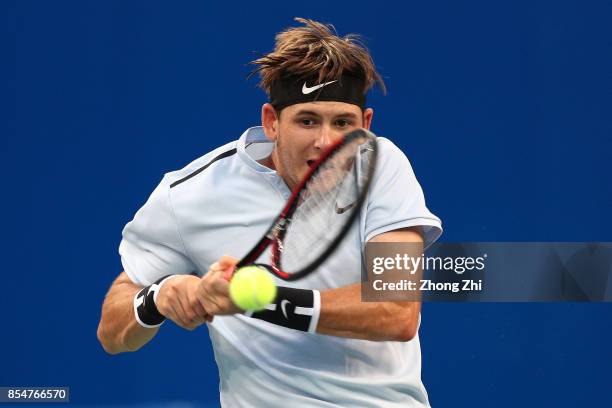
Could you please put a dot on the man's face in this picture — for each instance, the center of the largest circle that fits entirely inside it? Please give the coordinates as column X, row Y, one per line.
column 303, row 131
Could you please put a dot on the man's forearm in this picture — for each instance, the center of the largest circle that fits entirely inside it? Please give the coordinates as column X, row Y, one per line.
column 118, row 330
column 344, row 314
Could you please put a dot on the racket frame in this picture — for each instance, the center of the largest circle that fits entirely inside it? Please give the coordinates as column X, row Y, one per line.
column 276, row 232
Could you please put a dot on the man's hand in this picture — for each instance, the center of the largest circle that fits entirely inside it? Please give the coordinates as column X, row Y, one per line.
column 213, row 290
column 190, row 301
column 179, row 301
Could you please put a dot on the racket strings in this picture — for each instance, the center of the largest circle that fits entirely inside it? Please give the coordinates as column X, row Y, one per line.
column 325, row 206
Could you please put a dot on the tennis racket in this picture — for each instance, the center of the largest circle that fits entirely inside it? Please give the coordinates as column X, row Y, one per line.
column 320, row 210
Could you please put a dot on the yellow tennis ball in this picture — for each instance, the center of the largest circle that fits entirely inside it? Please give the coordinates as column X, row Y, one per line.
column 252, row 288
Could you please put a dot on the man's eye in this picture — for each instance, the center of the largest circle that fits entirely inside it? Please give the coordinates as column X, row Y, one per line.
column 307, row 122
column 342, row 123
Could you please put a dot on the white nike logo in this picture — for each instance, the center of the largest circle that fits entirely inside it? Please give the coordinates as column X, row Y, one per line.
column 283, row 304
column 306, row 90
column 139, row 301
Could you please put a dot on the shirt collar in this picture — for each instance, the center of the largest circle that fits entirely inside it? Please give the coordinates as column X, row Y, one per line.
column 253, row 145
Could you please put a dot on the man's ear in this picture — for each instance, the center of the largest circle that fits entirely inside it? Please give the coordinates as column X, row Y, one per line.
column 269, row 121
column 368, row 114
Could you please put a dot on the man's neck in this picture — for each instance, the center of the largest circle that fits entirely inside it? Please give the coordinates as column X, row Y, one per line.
column 268, row 162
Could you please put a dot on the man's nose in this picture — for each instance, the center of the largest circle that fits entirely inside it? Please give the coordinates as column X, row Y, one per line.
column 325, row 137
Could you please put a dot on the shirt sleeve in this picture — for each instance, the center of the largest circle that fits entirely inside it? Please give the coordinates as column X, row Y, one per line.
column 396, row 199
column 152, row 246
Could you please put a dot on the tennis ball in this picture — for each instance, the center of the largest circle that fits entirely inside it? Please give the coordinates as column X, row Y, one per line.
column 252, row 288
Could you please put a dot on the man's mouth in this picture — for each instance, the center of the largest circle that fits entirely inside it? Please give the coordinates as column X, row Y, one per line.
column 310, row 163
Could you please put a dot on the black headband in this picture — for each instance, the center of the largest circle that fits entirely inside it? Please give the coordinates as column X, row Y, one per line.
column 291, row 90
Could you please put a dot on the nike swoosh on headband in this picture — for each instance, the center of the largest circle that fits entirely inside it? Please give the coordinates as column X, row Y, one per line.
column 306, row 90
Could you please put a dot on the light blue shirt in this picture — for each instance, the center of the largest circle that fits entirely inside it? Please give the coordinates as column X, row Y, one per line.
column 221, row 204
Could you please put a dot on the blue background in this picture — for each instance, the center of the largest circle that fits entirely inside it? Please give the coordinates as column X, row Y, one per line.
column 504, row 109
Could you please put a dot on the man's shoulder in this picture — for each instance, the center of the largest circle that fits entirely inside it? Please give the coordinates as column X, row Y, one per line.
column 223, row 156
column 198, row 166
column 392, row 158
column 387, row 147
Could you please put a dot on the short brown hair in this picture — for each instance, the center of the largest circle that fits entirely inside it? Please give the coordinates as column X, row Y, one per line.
column 316, row 47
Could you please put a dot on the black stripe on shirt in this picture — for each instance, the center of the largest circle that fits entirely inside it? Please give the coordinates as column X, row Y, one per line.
column 201, row 169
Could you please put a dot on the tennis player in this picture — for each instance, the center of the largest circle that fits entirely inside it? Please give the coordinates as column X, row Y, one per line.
column 323, row 347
